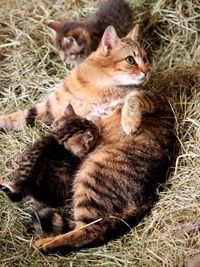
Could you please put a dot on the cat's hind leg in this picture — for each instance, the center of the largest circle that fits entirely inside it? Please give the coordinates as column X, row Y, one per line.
column 17, row 120
column 46, row 111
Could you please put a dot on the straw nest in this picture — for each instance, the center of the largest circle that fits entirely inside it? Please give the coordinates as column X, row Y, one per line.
column 29, row 69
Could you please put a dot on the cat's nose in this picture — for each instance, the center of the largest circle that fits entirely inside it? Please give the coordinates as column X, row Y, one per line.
column 145, row 71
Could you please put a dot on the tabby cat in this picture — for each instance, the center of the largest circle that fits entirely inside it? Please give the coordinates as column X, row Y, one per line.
column 97, row 86
column 46, row 170
column 74, row 41
column 118, row 180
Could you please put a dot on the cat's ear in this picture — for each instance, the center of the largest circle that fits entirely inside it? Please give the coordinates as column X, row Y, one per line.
column 109, row 40
column 133, row 34
column 69, row 111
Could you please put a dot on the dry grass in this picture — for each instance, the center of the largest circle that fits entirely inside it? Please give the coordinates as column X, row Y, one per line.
column 30, row 69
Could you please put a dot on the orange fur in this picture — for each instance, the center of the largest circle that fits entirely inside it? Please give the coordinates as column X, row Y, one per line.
column 92, row 87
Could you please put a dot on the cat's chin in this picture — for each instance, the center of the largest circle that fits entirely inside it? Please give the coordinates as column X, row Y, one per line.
column 124, row 79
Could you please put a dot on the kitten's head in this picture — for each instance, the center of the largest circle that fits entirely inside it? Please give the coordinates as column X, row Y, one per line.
column 122, row 60
column 71, row 41
column 75, row 133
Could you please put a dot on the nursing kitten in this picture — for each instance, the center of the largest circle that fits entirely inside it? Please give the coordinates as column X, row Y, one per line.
column 74, row 41
column 46, row 170
column 96, row 86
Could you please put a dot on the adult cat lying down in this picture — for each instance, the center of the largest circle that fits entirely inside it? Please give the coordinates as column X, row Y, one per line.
column 107, row 78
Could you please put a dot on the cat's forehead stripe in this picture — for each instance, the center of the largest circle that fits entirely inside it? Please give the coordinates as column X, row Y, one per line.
column 133, row 46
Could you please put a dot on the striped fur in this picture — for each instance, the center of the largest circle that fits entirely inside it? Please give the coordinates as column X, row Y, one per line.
column 46, row 170
column 118, row 181
column 74, row 41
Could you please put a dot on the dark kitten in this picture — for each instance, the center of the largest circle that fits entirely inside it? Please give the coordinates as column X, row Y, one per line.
column 45, row 171
column 74, row 41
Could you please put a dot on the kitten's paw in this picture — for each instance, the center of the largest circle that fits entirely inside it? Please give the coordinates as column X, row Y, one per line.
column 130, row 124
column 6, row 187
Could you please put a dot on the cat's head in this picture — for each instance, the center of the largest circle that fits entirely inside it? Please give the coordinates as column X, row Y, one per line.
column 75, row 133
column 71, row 41
column 122, row 61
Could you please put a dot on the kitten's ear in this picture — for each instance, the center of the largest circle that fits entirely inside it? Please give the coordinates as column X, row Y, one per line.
column 80, row 144
column 69, row 111
column 55, row 27
column 133, row 34
column 109, row 40
column 87, row 139
column 69, row 41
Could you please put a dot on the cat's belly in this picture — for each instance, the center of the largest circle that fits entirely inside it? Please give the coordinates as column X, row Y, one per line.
column 104, row 110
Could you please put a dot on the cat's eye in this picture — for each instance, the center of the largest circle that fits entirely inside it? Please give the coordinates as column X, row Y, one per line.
column 130, row 60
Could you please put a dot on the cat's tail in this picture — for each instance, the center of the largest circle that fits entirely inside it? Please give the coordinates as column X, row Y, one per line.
column 91, row 234
column 94, row 233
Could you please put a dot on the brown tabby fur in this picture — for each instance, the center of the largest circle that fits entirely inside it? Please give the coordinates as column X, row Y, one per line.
column 46, row 170
column 74, row 41
column 118, row 180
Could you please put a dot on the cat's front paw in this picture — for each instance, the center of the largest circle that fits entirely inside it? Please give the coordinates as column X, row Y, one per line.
column 130, row 124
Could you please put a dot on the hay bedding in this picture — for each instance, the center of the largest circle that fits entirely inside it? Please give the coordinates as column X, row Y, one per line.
column 29, row 69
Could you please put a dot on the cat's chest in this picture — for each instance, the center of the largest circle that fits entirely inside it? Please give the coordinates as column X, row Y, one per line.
column 104, row 109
